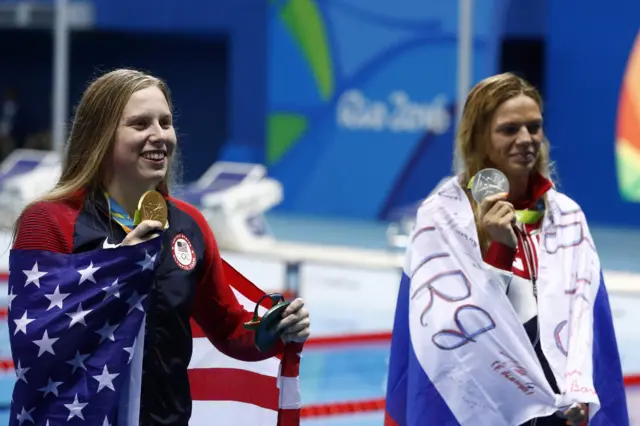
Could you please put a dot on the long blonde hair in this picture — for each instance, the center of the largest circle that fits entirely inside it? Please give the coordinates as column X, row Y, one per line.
column 92, row 134
column 474, row 132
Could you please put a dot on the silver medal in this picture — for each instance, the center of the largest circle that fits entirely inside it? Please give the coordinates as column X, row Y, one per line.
column 488, row 182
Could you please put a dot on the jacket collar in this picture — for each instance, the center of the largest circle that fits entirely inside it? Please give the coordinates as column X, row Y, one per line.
column 538, row 186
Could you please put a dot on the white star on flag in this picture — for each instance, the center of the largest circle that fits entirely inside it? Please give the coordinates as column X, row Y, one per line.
column 52, row 387
column 75, row 409
column 20, row 372
column 34, row 275
column 87, row 273
column 45, row 344
column 21, row 323
column 131, row 350
column 106, row 332
column 77, row 317
column 78, row 361
column 25, row 416
column 10, row 297
column 113, row 290
column 135, row 302
column 56, row 298
column 148, row 261
column 105, row 380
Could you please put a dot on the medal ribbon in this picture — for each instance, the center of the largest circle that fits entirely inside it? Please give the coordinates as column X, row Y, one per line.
column 120, row 215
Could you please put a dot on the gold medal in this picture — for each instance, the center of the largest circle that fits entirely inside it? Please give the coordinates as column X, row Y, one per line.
column 152, row 206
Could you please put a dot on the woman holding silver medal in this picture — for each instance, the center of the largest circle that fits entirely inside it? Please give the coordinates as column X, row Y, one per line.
column 545, row 354
column 114, row 195
column 509, row 222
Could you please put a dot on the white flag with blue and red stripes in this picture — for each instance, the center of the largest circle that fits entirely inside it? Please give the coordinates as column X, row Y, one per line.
column 459, row 354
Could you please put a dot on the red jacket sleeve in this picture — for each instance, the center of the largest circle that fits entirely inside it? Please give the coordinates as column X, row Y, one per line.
column 46, row 226
column 216, row 308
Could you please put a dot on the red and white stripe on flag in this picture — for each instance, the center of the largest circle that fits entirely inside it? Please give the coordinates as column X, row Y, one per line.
column 235, row 393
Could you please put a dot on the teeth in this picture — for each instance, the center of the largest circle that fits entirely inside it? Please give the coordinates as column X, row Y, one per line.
column 155, row 155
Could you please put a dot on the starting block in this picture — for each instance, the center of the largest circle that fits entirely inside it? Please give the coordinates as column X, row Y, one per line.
column 234, row 197
column 25, row 175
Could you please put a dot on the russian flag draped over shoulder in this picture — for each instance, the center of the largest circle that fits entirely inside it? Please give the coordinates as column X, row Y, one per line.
column 460, row 355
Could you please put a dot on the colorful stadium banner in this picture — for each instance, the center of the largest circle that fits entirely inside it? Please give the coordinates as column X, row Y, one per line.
column 628, row 129
column 592, row 114
column 361, row 99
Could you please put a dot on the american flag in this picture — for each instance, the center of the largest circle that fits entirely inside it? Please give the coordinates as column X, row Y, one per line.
column 263, row 393
column 182, row 247
column 76, row 324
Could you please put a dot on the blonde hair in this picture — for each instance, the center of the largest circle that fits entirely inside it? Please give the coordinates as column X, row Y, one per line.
column 474, row 132
column 92, row 134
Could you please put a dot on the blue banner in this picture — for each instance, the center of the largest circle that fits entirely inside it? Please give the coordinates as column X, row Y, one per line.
column 361, row 99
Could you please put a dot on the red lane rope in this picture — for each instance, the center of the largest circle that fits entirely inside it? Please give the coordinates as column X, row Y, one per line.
column 342, row 408
column 349, row 339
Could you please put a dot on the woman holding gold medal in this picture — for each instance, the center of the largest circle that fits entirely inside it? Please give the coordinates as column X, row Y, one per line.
column 502, row 316
column 111, row 204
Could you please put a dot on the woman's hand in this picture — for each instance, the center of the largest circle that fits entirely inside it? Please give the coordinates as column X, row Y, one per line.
column 146, row 230
column 497, row 217
column 295, row 322
column 576, row 414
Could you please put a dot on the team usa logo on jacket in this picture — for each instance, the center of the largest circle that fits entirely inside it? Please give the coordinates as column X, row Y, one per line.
column 183, row 253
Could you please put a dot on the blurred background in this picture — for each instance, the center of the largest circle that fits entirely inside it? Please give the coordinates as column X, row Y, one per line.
column 310, row 129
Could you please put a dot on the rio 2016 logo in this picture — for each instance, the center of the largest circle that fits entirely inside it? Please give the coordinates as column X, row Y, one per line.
column 356, row 112
column 628, row 129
